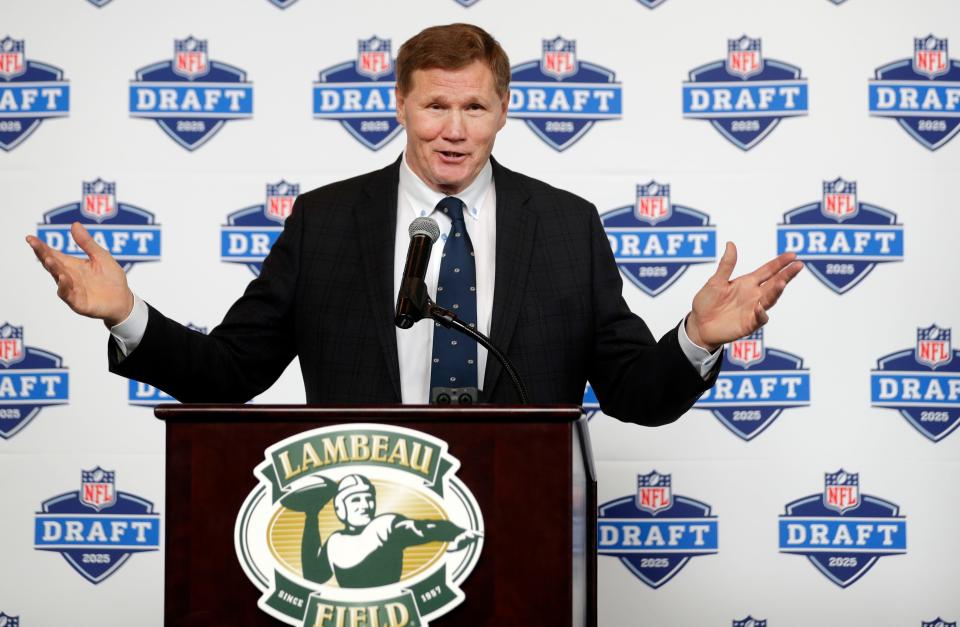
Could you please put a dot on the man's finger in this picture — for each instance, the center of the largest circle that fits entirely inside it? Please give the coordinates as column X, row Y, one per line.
column 772, row 289
column 86, row 242
column 727, row 262
column 773, row 266
column 761, row 316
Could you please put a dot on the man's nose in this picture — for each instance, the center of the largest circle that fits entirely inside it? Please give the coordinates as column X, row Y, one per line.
column 454, row 128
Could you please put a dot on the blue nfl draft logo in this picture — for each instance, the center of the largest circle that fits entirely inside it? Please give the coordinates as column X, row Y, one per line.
column 841, row 531
column 30, row 92
column 360, row 94
column 591, row 406
column 841, row 239
column 745, row 95
column 466, row 3
column 9, row 621
column 560, row 97
column 755, row 385
column 97, row 528
column 921, row 93
column 141, row 394
column 750, row 621
column 922, row 383
column 129, row 233
column 99, row 3
column 654, row 241
column 654, row 532
column 282, row 4
column 191, row 96
column 651, row 4
column 251, row 232
column 31, row 378
column 938, row 622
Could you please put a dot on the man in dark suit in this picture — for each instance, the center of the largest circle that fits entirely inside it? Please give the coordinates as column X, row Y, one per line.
column 539, row 276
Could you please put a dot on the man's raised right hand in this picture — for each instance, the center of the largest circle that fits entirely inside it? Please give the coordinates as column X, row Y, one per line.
column 95, row 287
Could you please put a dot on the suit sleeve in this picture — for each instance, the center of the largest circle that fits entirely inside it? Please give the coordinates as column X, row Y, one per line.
column 636, row 378
column 242, row 356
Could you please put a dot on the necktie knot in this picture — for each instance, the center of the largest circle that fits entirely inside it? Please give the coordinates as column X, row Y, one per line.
column 452, row 207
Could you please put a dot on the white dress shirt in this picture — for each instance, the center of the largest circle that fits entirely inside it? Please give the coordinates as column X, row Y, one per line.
column 415, row 345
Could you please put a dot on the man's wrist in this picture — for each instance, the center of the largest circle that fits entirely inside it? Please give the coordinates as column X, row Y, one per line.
column 693, row 333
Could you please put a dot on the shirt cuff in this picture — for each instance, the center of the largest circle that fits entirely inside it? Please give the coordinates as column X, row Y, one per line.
column 701, row 359
column 129, row 332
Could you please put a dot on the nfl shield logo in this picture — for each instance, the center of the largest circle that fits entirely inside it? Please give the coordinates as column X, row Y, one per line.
column 839, row 199
column 11, row 344
column 280, row 197
column 743, row 57
column 12, row 62
column 653, row 203
column 97, row 488
column 930, row 56
column 99, row 200
column 747, row 350
column 933, row 346
column 654, row 492
column 939, row 622
column 841, row 490
column 559, row 58
column 750, row 621
column 373, row 57
column 190, row 57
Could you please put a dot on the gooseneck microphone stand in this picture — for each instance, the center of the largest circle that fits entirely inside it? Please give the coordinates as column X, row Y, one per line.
column 418, row 305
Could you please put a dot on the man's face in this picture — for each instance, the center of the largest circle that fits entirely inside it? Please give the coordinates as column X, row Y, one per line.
column 451, row 118
column 360, row 509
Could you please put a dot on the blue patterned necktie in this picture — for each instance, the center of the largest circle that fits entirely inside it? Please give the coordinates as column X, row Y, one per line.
column 455, row 355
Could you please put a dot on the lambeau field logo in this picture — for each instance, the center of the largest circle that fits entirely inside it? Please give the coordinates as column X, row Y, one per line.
column 840, row 238
column 560, row 96
column 746, row 95
column 127, row 232
column 841, row 531
column 922, row 383
column 191, row 96
column 654, row 532
column 31, row 378
column 921, row 93
column 30, row 92
column 654, row 241
column 357, row 497
column 97, row 528
column 360, row 94
column 250, row 233
column 755, row 385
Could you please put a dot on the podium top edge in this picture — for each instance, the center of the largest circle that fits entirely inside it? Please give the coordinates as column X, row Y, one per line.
column 174, row 412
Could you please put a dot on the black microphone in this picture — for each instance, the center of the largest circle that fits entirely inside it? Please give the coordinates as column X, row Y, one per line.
column 412, row 297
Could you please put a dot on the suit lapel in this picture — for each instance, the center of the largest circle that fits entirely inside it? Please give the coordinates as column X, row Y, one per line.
column 516, row 226
column 376, row 230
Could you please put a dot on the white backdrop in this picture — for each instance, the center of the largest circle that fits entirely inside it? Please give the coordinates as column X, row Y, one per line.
column 747, row 483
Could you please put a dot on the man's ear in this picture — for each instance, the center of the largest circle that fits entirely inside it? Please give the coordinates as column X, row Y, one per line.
column 504, row 106
column 401, row 113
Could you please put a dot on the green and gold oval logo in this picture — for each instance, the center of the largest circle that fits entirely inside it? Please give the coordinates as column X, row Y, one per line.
column 361, row 524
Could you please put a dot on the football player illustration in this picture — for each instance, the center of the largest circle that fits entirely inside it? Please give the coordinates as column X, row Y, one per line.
column 368, row 551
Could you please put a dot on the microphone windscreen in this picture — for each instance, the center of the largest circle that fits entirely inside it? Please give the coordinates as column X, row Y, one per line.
column 425, row 226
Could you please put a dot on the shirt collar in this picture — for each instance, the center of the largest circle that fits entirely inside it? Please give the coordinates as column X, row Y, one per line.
column 423, row 200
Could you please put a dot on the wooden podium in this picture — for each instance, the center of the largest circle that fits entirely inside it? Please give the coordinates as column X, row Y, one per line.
column 529, row 468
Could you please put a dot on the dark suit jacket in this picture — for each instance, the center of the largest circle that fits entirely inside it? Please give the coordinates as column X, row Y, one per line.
column 325, row 294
